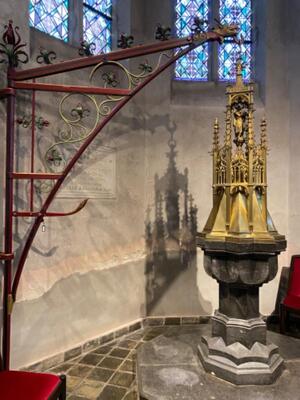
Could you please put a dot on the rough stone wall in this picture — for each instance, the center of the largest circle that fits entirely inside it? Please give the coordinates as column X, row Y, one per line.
column 87, row 274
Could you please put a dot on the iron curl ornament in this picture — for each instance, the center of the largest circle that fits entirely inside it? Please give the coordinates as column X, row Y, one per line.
column 86, row 49
column 45, row 56
column 12, row 48
column 132, row 80
column 75, row 128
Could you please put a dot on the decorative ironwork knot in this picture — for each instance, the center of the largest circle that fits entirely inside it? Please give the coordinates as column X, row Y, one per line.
column 162, row 32
column 26, row 121
column 80, row 112
column 55, row 158
column 145, row 67
column 45, row 56
column 86, row 48
column 110, row 79
column 125, row 41
column 198, row 25
column 11, row 46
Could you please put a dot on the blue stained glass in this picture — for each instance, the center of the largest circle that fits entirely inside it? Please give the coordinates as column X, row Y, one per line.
column 97, row 28
column 228, row 54
column 237, row 12
column 193, row 66
column 50, row 16
column 104, row 6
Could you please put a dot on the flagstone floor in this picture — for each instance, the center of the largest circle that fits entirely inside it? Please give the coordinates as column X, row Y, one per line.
column 107, row 372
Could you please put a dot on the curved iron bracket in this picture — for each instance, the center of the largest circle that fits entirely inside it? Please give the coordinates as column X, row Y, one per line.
column 50, row 214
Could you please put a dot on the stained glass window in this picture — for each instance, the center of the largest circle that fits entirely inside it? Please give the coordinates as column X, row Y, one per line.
column 50, row 16
column 97, row 24
column 239, row 12
column 193, row 66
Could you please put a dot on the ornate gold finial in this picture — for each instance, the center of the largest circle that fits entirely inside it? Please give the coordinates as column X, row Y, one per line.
column 239, row 172
column 263, row 137
column 216, row 135
column 239, row 72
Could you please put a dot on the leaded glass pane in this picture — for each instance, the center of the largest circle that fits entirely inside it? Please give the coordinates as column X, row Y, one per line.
column 238, row 12
column 103, row 6
column 193, row 66
column 228, row 54
column 97, row 28
column 50, row 16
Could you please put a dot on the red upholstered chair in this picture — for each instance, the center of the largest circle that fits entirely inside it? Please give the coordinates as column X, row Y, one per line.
column 19, row 385
column 291, row 302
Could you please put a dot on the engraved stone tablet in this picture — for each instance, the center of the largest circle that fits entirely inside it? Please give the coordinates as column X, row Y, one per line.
column 95, row 178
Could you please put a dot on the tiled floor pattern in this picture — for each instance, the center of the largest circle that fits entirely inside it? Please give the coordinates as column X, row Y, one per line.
column 107, row 372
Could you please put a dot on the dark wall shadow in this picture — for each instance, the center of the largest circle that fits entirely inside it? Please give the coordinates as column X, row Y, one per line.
column 171, row 252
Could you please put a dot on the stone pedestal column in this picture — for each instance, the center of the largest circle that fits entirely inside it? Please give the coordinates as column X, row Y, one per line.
column 238, row 350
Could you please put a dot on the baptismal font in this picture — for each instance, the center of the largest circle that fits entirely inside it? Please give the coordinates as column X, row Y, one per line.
column 241, row 247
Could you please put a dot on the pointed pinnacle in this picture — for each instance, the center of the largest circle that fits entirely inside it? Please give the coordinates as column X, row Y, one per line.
column 263, row 127
column 216, row 135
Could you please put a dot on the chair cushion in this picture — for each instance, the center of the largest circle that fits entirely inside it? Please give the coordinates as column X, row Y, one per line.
column 292, row 301
column 19, row 385
column 294, row 284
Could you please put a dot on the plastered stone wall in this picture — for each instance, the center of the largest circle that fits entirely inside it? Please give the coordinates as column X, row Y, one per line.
column 86, row 274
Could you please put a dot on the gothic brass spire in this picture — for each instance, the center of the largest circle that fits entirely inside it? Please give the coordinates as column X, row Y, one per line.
column 239, row 172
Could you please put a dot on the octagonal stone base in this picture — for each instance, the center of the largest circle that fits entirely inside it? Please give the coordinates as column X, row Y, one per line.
column 259, row 365
column 245, row 331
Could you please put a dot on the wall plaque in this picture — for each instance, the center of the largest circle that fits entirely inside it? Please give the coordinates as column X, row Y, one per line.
column 95, row 177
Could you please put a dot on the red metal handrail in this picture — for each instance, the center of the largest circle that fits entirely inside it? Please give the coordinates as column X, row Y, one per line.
column 11, row 286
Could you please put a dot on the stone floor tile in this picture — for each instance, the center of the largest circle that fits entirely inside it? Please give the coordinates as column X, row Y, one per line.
column 89, row 388
column 110, row 362
column 73, row 397
column 128, row 366
column 132, row 355
column 128, row 344
column 72, row 383
column 173, row 321
column 112, row 393
column 120, row 353
column 79, row 370
column 100, row 374
column 123, row 379
column 91, row 359
column 103, row 350
column 62, row 368
column 133, row 395
column 136, row 335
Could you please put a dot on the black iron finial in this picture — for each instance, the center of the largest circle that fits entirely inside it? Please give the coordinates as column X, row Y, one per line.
column 198, row 25
column 86, row 48
column 125, row 41
column 45, row 56
column 11, row 46
column 162, row 32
